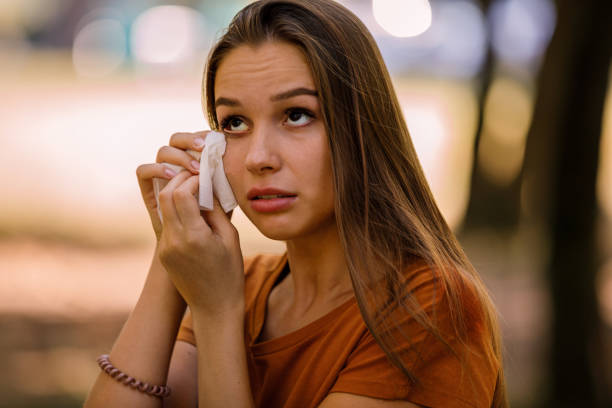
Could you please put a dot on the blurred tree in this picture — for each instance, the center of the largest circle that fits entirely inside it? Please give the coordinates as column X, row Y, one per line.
column 560, row 172
column 490, row 206
column 558, row 181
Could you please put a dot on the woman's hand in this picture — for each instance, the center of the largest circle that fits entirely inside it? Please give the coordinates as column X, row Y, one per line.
column 174, row 154
column 200, row 250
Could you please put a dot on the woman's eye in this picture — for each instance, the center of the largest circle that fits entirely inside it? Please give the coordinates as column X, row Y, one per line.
column 298, row 117
column 234, row 125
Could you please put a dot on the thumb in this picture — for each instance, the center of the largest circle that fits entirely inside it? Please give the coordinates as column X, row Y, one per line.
column 220, row 222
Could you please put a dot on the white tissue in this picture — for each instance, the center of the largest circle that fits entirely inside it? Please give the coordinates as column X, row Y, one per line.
column 212, row 176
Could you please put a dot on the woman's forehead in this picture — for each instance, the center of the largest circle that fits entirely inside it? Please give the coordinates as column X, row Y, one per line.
column 266, row 65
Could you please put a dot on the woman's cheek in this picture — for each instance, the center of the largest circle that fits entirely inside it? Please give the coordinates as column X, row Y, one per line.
column 232, row 167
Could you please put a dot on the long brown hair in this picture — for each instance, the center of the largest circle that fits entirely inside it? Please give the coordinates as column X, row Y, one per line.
column 386, row 215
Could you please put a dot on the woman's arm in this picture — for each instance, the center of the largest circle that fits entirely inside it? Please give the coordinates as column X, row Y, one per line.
column 183, row 377
column 200, row 250
column 223, row 378
column 203, row 259
column 144, row 345
column 346, row 400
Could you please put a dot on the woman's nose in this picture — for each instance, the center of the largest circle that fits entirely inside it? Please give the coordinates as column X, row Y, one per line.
column 262, row 155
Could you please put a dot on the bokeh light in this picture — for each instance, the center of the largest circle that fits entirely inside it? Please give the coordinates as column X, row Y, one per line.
column 33, row 15
column 604, row 175
column 463, row 35
column 507, row 115
column 99, row 48
column 604, row 292
column 167, row 35
column 521, row 29
column 454, row 46
column 403, row 18
column 441, row 119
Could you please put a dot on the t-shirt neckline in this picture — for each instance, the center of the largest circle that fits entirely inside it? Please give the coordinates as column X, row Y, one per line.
column 296, row 336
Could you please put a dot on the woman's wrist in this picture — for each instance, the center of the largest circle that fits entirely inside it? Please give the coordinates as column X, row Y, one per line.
column 228, row 316
column 223, row 378
column 159, row 282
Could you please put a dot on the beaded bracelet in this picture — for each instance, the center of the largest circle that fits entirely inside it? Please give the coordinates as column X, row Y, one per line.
column 161, row 391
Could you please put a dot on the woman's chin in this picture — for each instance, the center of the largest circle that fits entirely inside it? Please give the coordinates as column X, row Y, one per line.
column 291, row 231
column 289, row 226
column 277, row 234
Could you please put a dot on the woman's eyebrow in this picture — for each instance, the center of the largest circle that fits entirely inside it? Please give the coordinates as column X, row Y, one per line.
column 283, row 95
column 226, row 101
column 292, row 93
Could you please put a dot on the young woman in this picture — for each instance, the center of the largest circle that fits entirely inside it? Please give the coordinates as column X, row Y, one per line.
column 374, row 304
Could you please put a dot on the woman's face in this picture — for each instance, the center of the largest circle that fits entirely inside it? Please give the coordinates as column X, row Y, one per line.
column 277, row 158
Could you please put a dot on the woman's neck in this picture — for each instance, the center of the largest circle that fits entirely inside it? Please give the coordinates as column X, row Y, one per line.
column 319, row 273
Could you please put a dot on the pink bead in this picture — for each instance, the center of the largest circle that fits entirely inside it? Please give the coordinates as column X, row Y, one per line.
column 154, row 390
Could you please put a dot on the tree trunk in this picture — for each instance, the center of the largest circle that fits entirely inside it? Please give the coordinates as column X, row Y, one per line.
column 560, row 171
column 490, row 206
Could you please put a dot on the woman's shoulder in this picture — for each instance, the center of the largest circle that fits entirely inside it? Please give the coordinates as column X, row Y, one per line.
column 448, row 369
column 445, row 288
column 450, row 313
column 446, row 336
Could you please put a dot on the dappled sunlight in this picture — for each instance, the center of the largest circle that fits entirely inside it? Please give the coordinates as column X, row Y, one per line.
column 441, row 119
column 604, row 179
column 507, row 116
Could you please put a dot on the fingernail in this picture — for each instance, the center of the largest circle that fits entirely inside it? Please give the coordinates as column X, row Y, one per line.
column 195, row 164
column 169, row 172
column 198, row 142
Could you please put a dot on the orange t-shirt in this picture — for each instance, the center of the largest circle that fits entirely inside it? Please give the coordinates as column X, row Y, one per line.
column 337, row 353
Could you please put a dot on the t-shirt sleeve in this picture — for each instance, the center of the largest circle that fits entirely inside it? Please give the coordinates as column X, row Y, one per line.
column 443, row 379
column 185, row 332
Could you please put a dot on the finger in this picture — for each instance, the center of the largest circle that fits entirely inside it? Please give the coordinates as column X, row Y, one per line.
column 186, row 140
column 172, row 155
column 166, row 200
column 219, row 222
column 186, row 204
column 145, row 174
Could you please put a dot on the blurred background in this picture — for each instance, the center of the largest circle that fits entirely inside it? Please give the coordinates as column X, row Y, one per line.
column 508, row 104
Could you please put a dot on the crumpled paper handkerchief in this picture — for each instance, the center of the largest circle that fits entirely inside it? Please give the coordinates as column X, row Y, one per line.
column 212, row 176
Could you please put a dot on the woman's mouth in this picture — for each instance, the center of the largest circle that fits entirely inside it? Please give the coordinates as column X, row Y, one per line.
column 267, row 200
column 270, row 196
column 271, row 203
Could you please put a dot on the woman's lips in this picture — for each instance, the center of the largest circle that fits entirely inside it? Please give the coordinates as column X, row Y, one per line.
column 268, row 205
column 270, row 199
